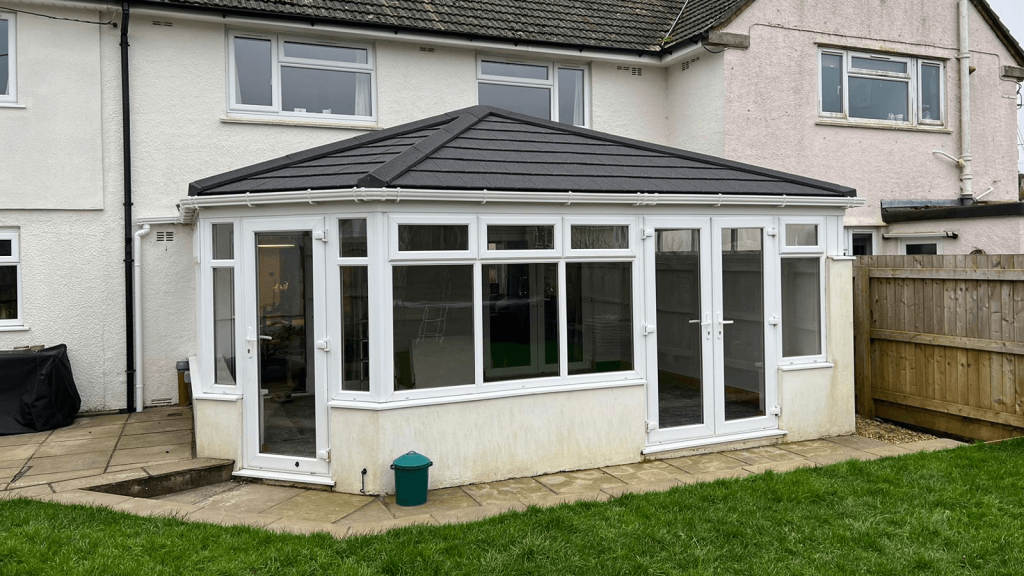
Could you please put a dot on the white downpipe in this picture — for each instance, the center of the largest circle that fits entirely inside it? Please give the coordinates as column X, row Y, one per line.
column 966, row 192
column 137, row 279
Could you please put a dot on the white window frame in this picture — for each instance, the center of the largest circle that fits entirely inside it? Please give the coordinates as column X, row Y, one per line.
column 335, row 324
column 912, row 78
column 207, row 366
column 600, row 254
column 12, row 69
column 436, row 256
column 805, row 252
column 849, row 232
column 551, row 82
column 13, row 234
column 278, row 59
column 531, row 255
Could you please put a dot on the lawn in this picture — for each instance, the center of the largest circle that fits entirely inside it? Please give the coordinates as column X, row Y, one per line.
column 953, row 512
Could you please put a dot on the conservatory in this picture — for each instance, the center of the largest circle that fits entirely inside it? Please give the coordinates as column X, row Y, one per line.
column 511, row 297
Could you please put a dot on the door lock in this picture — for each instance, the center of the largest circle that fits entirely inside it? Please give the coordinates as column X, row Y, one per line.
column 324, row 344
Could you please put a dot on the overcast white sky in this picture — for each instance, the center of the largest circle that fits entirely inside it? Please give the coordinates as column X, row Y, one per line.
column 1011, row 12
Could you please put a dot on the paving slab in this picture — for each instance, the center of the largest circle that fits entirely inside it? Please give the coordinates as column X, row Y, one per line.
column 580, row 481
column 146, row 507
column 375, row 511
column 179, row 465
column 14, row 463
column 158, row 414
column 105, row 444
column 642, row 487
column 858, row 442
column 151, row 454
column 65, row 434
column 68, row 463
column 320, row 506
column 147, row 440
column 763, row 455
column 888, row 450
column 7, row 473
column 825, row 452
column 515, row 491
column 24, row 451
column 55, row 477
column 706, row 463
column 298, row 526
column 157, row 427
column 100, row 480
column 17, row 439
column 30, row 492
column 371, row 528
column 474, row 514
column 441, row 500
column 643, row 472
column 251, row 498
column 225, row 517
column 91, row 421
column 931, row 445
column 784, row 466
column 198, row 495
column 142, row 465
column 84, row 498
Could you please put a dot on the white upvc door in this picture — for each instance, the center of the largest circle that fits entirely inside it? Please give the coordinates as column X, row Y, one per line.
column 711, row 339
column 285, row 359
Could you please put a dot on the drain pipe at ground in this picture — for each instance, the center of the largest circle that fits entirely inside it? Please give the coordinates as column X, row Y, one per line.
column 964, row 55
column 137, row 281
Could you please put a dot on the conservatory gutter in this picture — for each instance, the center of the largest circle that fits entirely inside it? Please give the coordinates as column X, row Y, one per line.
column 190, row 205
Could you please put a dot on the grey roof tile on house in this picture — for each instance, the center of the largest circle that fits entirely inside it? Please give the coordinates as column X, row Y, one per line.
column 485, row 148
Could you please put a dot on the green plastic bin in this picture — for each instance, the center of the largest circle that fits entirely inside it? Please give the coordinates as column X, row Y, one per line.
column 411, row 472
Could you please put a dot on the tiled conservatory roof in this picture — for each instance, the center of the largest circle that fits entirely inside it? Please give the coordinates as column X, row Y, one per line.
column 485, row 148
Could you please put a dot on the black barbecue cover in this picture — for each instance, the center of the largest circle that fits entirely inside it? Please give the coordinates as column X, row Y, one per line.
column 37, row 391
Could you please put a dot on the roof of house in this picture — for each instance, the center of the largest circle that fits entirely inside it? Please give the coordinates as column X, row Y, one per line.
column 485, row 148
column 640, row 25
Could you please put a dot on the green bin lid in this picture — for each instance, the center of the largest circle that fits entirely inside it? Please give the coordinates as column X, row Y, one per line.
column 411, row 461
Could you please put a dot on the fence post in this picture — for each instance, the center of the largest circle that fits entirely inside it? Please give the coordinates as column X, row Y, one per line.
column 862, row 340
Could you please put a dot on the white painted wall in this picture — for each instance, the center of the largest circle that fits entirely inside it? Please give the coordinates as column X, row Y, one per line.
column 696, row 103
column 771, row 108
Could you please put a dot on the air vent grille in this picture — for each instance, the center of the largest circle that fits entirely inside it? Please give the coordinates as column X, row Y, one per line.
column 165, row 236
column 634, row 71
column 686, row 65
column 162, row 23
column 426, row 49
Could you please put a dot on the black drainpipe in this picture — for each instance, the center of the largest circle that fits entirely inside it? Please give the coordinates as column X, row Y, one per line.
column 129, row 253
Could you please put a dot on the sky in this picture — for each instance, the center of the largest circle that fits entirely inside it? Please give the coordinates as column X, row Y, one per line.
column 1011, row 12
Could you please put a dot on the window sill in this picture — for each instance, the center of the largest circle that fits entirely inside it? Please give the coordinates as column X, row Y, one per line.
column 11, row 105
column 298, row 122
column 14, row 328
column 883, row 125
column 809, row 366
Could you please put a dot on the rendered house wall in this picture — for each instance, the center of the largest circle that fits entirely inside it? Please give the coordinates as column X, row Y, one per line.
column 771, row 92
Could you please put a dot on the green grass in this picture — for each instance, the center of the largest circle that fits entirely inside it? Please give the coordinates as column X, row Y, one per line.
column 953, row 512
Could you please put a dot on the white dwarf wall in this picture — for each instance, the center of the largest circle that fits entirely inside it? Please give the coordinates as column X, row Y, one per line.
column 771, row 92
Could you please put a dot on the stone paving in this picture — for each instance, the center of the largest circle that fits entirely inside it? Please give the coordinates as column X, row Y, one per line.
column 96, row 450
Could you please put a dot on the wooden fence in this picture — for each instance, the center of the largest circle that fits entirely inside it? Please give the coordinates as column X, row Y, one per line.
column 939, row 342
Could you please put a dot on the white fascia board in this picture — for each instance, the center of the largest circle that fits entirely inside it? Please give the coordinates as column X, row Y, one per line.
column 192, row 204
column 412, row 37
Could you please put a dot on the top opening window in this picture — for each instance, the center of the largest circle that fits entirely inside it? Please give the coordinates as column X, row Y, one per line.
column 282, row 76
column 7, row 46
column 545, row 90
column 865, row 88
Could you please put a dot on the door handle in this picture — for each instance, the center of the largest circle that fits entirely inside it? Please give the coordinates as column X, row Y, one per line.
column 722, row 321
column 262, row 337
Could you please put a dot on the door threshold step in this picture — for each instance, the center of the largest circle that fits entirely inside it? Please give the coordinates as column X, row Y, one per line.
column 285, row 477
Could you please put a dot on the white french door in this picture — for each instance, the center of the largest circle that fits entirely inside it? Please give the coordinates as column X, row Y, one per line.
column 285, row 363
column 711, row 346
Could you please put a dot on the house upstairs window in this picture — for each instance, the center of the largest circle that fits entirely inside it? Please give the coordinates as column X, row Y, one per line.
column 545, row 90
column 298, row 77
column 7, row 47
column 865, row 88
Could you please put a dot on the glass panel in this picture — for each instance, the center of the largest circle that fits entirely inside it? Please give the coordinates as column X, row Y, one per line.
column 570, row 97
column 801, row 307
column 223, row 241
column 931, row 103
column 743, row 304
column 8, row 292
column 5, row 59
column 599, row 312
column 355, row 323
column 831, row 83
column 322, row 52
column 253, row 75
column 922, row 249
column 520, row 321
column 433, row 326
column 284, row 291
column 878, row 65
column 314, row 91
column 520, row 237
column 224, row 326
column 677, row 296
column 6, row 247
column 430, row 237
column 525, row 100
column 878, row 99
column 600, row 238
column 863, row 245
column 514, row 70
column 353, row 238
column 801, row 234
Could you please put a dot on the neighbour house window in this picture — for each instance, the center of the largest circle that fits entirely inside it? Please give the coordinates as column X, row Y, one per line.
column 10, row 279
column 861, row 242
column 802, row 265
column 911, row 248
column 545, row 90
column 299, row 77
column 8, row 77
column 865, row 87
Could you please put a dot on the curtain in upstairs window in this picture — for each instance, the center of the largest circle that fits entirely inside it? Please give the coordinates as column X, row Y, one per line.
column 570, row 97
column 363, row 104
